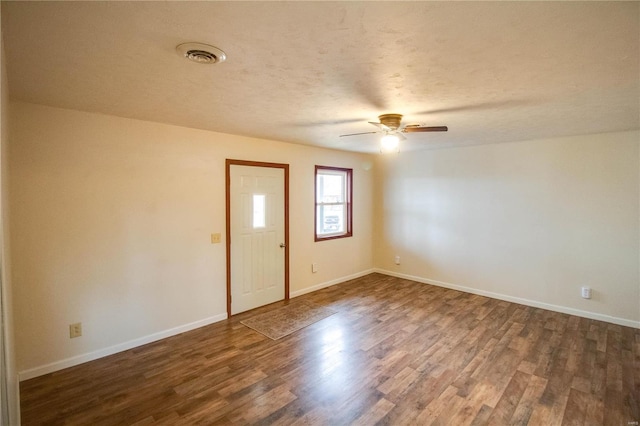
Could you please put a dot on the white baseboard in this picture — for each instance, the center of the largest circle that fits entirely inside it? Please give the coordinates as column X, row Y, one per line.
column 521, row 301
column 80, row 359
column 90, row 356
column 330, row 283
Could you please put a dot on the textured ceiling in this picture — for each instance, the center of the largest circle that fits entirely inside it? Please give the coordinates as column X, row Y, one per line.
column 306, row 72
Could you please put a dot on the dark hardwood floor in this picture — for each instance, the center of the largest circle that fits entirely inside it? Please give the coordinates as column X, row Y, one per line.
column 396, row 352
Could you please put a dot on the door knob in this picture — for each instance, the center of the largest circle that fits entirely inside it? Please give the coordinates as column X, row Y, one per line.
column 282, row 245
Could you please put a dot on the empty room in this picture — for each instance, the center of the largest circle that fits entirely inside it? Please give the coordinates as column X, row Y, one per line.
column 320, row 213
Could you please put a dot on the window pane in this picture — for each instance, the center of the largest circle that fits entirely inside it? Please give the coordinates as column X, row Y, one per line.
column 333, row 203
column 259, row 211
column 331, row 188
column 331, row 219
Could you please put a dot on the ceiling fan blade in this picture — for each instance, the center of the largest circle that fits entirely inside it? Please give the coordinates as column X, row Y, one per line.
column 356, row 134
column 381, row 126
column 412, row 129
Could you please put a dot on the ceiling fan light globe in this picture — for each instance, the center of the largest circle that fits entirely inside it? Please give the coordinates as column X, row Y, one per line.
column 389, row 143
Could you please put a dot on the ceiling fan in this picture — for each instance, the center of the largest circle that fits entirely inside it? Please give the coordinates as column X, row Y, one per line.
column 389, row 126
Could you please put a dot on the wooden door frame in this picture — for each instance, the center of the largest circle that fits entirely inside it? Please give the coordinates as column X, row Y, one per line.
column 285, row 167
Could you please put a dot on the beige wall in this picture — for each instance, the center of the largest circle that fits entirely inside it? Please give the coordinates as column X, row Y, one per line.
column 111, row 227
column 524, row 221
column 10, row 394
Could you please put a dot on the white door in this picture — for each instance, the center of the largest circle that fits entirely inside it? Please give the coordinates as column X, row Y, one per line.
column 257, row 236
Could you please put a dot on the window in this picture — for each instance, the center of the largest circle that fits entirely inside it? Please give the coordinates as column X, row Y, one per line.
column 259, row 211
column 333, row 203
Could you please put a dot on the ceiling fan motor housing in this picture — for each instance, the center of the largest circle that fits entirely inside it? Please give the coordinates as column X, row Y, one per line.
column 392, row 121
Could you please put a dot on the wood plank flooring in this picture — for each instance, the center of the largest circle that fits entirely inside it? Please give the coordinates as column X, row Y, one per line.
column 397, row 352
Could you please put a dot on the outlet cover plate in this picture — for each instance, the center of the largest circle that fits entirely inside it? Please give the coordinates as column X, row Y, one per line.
column 75, row 330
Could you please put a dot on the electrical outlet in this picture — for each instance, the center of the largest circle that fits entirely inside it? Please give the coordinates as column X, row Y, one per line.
column 586, row 292
column 314, row 267
column 216, row 238
column 397, row 260
column 75, row 330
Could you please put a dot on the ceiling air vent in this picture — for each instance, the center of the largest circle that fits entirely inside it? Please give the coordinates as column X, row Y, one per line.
column 201, row 53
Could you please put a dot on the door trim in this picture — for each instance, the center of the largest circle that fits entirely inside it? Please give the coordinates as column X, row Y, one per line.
column 285, row 167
